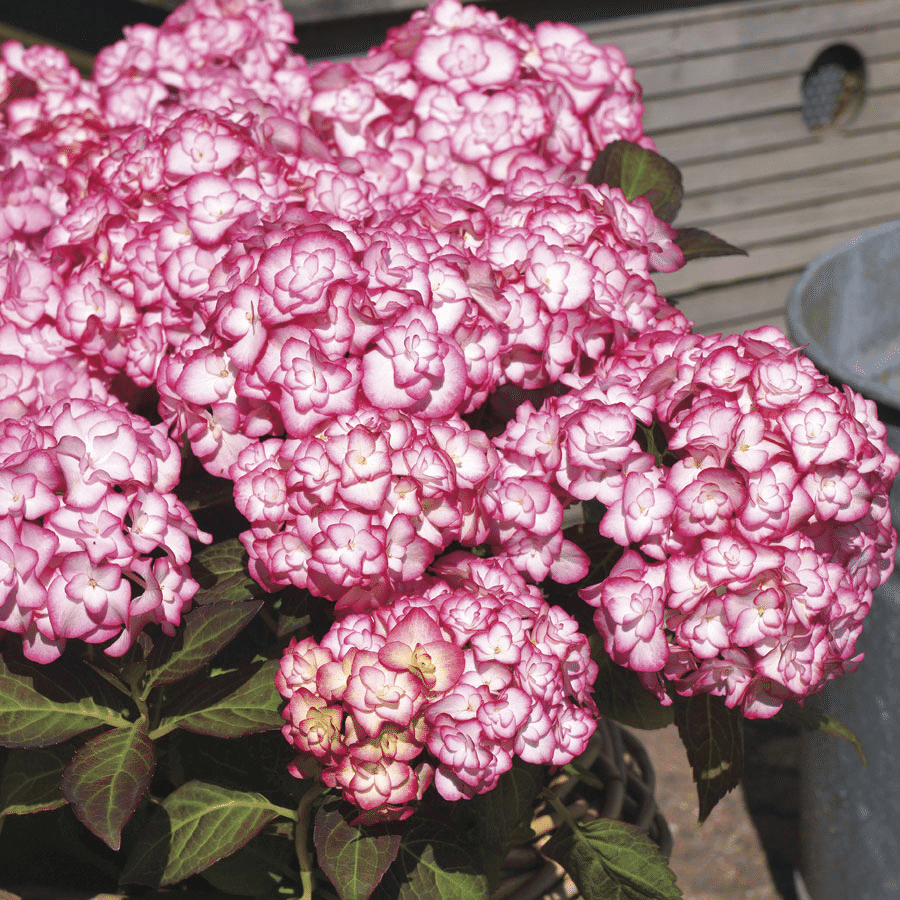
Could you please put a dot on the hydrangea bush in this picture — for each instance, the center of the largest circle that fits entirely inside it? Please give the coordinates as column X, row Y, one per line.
column 383, row 334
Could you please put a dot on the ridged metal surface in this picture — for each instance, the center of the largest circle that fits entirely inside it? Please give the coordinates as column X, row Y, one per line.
column 847, row 308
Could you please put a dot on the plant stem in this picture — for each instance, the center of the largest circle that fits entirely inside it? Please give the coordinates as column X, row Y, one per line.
column 282, row 811
column 301, row 838
column 110, row 678
column 267, row 617
column 115, row 721
column 163, row 729
column 559, row 808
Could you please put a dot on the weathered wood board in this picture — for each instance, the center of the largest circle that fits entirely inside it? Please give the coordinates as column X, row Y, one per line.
column 722, row 91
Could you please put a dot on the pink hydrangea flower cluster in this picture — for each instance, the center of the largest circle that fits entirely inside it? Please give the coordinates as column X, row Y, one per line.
column 457, row 94
column 38, row 363
column 379, row 296
column 750, row 497
column 94, row 544
column 364, row 505
column 444, row 685
column 425, row 309
column 208, row 137
column 282, row 249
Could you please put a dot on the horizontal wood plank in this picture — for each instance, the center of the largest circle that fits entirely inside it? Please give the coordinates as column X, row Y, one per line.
column 815, row 215
column 779, row 129
column 753, row 169
column 752, row 98
column 780, row 195
column 747, row 25
column 753, row 299
column 775, row 130
column 700, row 16
column 776, row 319
column 764, row 262
column 788, row 56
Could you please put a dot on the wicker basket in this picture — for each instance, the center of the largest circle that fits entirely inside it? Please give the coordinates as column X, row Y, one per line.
column 619, row 760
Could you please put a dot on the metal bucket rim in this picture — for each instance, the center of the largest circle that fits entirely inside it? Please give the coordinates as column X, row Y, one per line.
column 800, row 335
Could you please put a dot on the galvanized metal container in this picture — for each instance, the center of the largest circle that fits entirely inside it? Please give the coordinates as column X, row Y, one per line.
column 846, row 309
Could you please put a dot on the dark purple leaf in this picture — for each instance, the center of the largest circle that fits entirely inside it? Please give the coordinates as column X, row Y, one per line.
column 196, row 825
column 640, row 173
column 695, row 243
column 230, row 705
column 713, row 737
column 353, row 857
column 205, row 631
column 106, row 779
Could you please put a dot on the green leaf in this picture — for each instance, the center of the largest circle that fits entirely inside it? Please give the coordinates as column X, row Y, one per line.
column 205, row 631
column 28, row 718
column 432, row 864
column 611, row 860
column 696, row 243
column 30, row 781
column 293, row 608
column 66, row 680
column 619, row 695
column 640, row 173
column 814, row 720
column 230, row 705
column 257, row 762
column 106, row 779
column 224, row 577
column 204, row 491
column 353, row 857
column 256, row 870
column 503, row 813
column 713, row 738
column 196, row 825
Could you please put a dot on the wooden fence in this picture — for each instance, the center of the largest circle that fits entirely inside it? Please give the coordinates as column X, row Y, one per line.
column 722, row 88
